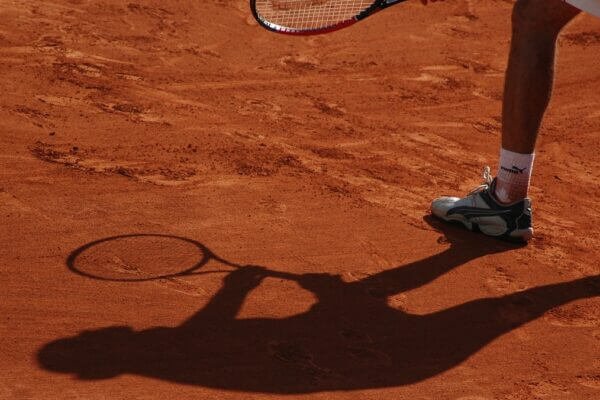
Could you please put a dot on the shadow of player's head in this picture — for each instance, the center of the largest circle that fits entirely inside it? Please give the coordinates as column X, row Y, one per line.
column 91, row 355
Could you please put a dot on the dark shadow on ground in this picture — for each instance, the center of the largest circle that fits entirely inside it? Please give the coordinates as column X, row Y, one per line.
column 350, row 339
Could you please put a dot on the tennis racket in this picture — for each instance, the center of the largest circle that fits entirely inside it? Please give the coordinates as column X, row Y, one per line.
column 312, row 17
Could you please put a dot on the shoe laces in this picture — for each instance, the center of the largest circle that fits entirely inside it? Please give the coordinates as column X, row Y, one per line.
column 487, row 181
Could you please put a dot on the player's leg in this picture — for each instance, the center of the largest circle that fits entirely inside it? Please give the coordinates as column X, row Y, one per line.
column 529, row 77
column 528, row 87
column 500, row 207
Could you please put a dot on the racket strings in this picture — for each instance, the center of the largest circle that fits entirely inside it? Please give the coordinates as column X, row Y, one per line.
column 309, row 14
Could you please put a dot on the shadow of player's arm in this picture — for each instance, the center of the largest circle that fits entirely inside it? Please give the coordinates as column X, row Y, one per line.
column 468, row 327
column 228, row 300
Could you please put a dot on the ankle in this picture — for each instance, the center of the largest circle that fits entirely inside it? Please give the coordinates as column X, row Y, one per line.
column 505, row 193
column 514, row 175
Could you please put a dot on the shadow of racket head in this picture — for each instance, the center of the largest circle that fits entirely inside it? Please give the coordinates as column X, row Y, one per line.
column 142, row 257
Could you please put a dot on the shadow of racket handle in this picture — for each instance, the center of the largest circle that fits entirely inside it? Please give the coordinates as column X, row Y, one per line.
column 269, row 273
column 261, row 270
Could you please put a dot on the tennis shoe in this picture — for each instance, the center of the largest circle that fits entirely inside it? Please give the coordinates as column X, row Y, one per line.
column 480, row 211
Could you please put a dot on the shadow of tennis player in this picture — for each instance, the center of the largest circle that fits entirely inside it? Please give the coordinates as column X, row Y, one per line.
column 350, row 339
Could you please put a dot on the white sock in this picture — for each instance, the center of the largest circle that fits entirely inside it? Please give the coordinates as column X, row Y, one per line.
column 514, row 175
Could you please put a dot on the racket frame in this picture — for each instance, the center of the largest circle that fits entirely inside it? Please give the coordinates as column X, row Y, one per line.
column 377, row 5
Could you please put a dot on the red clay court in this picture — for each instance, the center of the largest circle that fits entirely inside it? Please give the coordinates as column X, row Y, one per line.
column 294, row 177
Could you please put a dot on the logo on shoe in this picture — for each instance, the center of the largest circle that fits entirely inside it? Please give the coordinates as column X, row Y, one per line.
column 472, row 212
column 514, row 170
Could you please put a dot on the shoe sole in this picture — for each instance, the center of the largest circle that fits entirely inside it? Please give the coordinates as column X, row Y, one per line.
column 518, row 236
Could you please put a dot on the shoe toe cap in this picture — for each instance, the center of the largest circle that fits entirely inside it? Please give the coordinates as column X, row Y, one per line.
column 441, row 205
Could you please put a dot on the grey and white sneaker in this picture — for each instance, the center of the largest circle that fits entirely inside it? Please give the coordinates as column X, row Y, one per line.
column 479, row 210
